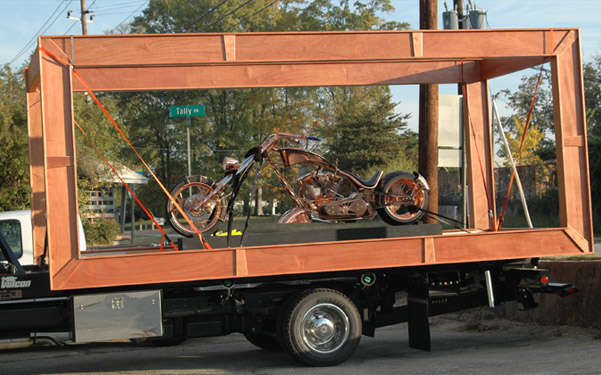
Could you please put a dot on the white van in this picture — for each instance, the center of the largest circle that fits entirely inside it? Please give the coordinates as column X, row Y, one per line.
column 17, row 229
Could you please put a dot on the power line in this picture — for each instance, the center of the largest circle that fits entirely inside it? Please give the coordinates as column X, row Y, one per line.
column 225, row 15
column 69, row 29
column 132, row 13
column 122, row 4
column 187, row 27
column 257, row 12
column 120, row 9
column 42, row 30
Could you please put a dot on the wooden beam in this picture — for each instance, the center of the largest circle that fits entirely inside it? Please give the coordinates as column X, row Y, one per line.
column 175, row 49
column 298, row 259
column 479, row 157
column 59, row 154
column 36, row 171
column 571, row 145
column 274, row 75
column 202, row 61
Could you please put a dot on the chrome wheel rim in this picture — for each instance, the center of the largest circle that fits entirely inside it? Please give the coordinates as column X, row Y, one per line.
column 325, row 328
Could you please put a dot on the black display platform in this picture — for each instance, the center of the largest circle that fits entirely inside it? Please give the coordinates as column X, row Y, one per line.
column 316, row 232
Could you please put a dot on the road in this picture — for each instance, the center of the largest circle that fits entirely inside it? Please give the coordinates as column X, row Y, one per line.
column 489, row 347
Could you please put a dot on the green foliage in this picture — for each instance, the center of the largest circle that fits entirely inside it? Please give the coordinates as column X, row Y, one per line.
column 592, row 90
column 14, row 163
column 542, row 111
column 92, row 171
column 237, row 120
column 362, row 130
column 594, row 151
column 526, row 153
column 101, row 231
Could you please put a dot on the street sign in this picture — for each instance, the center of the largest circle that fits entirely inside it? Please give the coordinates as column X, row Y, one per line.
column 186, row 110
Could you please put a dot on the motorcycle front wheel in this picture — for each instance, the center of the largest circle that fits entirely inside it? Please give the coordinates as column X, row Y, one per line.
column 190, row 194
column 402, row 199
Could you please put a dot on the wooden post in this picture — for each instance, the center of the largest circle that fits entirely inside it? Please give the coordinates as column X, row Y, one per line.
column 571, row 141
column 36, row 166
column 479, row 157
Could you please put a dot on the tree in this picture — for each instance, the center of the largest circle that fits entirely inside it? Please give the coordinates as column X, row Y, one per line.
column 592, row 90
column 238, row 119
column 592, row 95
column 14, row 163
column 367, row 133
column 526, row 153
column 542, row 111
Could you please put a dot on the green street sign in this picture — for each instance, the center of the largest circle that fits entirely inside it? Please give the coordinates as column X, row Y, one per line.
column 186, row 110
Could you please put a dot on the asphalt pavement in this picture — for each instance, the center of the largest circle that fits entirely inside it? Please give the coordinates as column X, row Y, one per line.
column 460, row 345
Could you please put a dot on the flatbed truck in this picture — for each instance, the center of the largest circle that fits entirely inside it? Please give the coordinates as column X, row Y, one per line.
column 314, row 298
column 317, row 318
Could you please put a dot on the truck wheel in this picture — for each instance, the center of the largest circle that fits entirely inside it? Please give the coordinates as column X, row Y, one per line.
column 321, row 327
column 263, row 341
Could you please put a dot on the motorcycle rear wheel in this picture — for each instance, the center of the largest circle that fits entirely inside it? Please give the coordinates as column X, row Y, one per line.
column 189, row 193
column 398, row 191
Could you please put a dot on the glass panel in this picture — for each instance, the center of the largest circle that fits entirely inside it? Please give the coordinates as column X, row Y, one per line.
column 11, row 230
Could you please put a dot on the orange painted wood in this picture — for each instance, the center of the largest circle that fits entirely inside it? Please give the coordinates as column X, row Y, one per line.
column 570, row 125
column 479, row 157
column 198, row 265
column 281, row 75
column 148, row 51
column 36, row 172
column 203, row 61
column 163, row 49
column 61, row 191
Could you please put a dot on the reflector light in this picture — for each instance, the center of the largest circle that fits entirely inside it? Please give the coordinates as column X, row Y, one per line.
column 544, row 279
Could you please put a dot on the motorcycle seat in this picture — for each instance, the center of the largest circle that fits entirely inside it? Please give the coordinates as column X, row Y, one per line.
column 370, row 183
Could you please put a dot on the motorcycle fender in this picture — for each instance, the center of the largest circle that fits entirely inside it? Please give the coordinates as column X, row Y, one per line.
column 295, row 215
column 422, row 181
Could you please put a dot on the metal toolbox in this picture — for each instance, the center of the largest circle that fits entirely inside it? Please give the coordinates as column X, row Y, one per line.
column 99, row 317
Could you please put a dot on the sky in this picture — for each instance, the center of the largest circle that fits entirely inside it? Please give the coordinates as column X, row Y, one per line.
column 22, row 20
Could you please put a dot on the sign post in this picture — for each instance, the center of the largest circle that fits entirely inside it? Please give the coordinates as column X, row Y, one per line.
column 187, row 111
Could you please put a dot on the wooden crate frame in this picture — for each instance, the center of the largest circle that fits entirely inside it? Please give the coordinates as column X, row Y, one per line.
column 292, row 59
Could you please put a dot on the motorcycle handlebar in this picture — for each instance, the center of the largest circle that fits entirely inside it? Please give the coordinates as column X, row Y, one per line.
column 273, row 139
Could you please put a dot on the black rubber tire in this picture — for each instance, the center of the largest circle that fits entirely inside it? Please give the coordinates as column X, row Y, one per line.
column 402, row 216
column 320, row 327
column 263, row 341
column 175, row 217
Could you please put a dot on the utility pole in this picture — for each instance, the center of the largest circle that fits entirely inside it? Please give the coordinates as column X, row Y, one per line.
column 84, row 22
column 428, row 117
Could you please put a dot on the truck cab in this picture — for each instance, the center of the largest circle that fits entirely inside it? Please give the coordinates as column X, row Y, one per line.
column 17, row 229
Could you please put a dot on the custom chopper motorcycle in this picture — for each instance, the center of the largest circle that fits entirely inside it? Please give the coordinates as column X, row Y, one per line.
column 322, row 193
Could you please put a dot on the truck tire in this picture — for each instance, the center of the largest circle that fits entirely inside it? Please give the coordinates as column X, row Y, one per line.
column 321, row 327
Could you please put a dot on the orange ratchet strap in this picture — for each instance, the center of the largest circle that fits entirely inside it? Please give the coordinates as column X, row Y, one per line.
column 204, row 243
column 130, row 191
column 540, row 75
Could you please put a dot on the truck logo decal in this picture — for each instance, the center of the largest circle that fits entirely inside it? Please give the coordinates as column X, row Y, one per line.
column 11, row 282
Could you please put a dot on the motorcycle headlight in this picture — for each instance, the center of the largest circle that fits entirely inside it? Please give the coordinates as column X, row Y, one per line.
column 230, row 164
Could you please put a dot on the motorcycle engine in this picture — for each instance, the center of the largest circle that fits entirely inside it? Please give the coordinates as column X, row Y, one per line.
column 319, row 186
column 348, row 208
column 322, row 190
